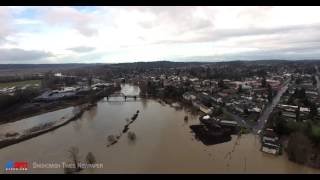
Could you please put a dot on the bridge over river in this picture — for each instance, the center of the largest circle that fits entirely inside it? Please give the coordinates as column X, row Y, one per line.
column 122, row 97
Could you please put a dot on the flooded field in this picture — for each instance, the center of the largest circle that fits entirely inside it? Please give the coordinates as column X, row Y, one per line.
column 163, row 144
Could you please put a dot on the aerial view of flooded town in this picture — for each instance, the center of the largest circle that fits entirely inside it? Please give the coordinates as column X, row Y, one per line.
column 183, row 108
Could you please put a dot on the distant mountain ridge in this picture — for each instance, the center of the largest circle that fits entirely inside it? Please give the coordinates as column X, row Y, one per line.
column 152, row 64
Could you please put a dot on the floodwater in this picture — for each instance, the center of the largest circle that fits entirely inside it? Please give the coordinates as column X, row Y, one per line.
column 164, row 144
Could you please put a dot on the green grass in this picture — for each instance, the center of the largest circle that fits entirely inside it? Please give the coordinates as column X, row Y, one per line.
column 19, row 83
column 315, row 133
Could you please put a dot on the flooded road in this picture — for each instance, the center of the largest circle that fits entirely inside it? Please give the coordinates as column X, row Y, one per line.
column 164, row 144
column 268, row 110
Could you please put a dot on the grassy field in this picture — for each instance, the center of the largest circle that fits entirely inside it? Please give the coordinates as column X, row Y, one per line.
column 19, row 83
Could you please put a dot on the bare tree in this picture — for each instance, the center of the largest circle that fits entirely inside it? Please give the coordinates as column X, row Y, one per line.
column 90, row 158
column 131, row 136
column 74, row 156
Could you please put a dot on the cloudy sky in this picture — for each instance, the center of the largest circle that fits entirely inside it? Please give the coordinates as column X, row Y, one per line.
column 128, row 34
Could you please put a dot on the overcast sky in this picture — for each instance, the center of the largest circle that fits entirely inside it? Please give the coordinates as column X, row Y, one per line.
column 128, row 34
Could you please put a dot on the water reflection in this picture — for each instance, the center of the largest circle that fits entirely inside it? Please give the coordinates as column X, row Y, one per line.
column 192, row 112
column 186, row 119
column 92, row 112
column 115, row 102
column 144, row 103
column 77, row 125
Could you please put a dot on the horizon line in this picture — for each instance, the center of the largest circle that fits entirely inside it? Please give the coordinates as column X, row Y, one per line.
column 179, row 61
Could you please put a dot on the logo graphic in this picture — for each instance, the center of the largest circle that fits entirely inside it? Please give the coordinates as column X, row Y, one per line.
column 16, row 166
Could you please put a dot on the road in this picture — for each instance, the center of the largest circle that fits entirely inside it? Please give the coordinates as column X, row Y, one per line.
column 265, row 114
column 268, row 110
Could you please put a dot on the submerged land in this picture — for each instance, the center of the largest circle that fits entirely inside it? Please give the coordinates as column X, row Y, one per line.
column 274, row 100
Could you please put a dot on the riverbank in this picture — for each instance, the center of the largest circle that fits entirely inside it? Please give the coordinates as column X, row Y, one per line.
column 37, row 109
column 83, row 104
column 15, row 138
column 22, row 111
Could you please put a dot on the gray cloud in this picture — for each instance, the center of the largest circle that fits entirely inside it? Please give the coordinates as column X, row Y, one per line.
column 22, row 56
column 82, row 49
column 181, row 19
column 70, row 16
column 5, row 24
column 290, row 53
column 224, row 34
column 177, row 27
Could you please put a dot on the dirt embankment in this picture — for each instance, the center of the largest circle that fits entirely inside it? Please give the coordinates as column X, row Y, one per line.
column 114, row 139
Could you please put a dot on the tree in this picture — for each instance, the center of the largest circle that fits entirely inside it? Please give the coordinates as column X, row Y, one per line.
column 246, row 111
column 314, row 81
column 131, row 136
column 302, row 93
column 315, row 133
column 299, row 93
column 218, row 111
column 298, row 113
column 90, row 159
column 270, row 93
column 240, row 89
column 264, row 82
column 221, row 84
column 89, row 80
column 74, row 156
column 48, row 81
column 298, row 81
column 313, row 111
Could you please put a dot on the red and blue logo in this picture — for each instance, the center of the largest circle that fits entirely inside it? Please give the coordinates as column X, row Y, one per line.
column 16, row 166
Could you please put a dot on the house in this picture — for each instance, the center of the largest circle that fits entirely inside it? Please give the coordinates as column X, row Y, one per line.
column 246, row 87
column 205, row 99
column 224, row 123
column 270, row 142
column 228, row 123
column 206, row 82
column 239, row 109
column 189, row 96
column 269, row 135
column 289, row 115
column 255, row 109
column 55, row 95
column 235, row 84
column 101, row 86
column 202, row 107
column 194, row 80
column 270, row 148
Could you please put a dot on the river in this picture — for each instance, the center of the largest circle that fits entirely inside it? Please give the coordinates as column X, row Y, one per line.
column 164, row 143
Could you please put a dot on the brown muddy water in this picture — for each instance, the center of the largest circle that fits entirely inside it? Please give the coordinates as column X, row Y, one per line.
column 164, row 143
